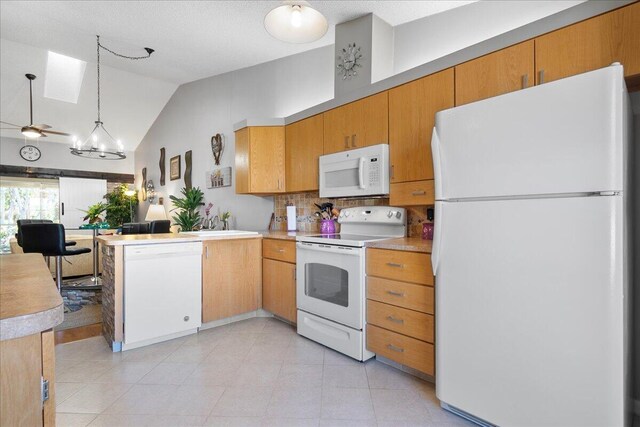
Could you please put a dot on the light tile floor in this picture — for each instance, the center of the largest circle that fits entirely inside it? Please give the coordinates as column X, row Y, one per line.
column 257, row 372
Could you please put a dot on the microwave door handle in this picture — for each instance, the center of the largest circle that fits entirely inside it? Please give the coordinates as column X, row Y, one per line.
column 361, row 173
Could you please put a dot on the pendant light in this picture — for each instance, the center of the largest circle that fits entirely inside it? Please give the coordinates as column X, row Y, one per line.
column 100, row 144
column 296, row 22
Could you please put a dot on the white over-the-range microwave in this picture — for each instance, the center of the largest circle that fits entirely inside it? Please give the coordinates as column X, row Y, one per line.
column 354, row 173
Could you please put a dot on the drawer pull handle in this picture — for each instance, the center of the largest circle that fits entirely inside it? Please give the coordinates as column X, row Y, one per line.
column 394, row 348
column 419, row 193
column 280, row 250
column 396, row 294
column 395, row 320
column 393, row 264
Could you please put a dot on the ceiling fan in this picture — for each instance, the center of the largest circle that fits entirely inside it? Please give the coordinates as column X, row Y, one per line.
column 31, row 130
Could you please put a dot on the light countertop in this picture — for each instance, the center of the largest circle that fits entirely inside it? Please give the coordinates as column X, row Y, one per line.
column 146, row 239
column 285, row 235
column 409, row 244
column 29, row 300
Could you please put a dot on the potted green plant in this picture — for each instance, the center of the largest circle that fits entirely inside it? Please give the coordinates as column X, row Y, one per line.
column 94, row 211
column 120, row 206
column 188, row 208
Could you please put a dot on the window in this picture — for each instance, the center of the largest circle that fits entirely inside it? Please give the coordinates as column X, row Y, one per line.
column 63, row 79
column 25, row 198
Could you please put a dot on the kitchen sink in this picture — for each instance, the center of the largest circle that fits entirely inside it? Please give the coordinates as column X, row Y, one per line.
column 204, row 233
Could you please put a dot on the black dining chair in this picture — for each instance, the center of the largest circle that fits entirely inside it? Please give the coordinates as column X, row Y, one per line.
column 135, row 228
column 48, row 239
column 160, row 226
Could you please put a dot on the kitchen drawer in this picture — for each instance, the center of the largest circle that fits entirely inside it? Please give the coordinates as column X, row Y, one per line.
column 407, row 322
column 407, row 295
column 411, row 267
column 410, row 352
column 281, row 250
column 416, row 193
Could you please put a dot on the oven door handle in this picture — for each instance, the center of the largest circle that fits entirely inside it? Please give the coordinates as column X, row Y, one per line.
column 316, row 247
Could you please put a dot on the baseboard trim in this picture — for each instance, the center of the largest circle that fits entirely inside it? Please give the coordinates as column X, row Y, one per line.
column 244, row 316
column 406, row 369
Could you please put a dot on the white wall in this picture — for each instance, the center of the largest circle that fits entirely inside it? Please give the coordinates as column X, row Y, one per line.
column 58, row 156
column 200, row 109
column 423, row 40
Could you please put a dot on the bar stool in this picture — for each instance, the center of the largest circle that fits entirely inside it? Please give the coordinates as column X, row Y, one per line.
column 22, row 222
column 48, row 239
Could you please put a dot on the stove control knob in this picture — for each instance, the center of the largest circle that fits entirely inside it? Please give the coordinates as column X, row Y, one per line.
column 341, row 215
column 346, row 214
column 398, row 214
column 389, row 214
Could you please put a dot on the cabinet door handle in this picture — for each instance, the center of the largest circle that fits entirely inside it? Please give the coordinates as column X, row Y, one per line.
column 394, row 348
column 393, row 264
column 353, row 141
column 540, row 77
column 525, row 81
column 346, row 142
column 294, row 274
column 396, row 294
column 419, row 193
column 393, row 169
column 395, row 320
column 206, row 252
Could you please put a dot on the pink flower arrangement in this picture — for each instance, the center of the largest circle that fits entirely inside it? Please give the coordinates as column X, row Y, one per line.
column 207, row 209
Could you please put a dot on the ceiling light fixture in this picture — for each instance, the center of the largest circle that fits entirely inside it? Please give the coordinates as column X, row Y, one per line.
column 296, row 22
column 100, row 144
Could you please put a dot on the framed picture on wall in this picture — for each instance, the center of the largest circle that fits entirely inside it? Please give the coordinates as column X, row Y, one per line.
column 219, row 178
column 174, row 168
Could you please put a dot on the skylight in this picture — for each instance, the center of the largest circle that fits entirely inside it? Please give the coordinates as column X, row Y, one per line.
column 64, row 77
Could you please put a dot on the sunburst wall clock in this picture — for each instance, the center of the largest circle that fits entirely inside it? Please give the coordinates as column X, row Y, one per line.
column 349, row 61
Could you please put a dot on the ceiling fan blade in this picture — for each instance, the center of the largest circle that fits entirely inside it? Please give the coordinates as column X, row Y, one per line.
column 55, row 132
column 9, row 128
column 41, row 127
column 11, row 124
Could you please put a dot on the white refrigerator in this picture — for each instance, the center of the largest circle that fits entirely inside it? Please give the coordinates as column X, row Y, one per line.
column 531, row 253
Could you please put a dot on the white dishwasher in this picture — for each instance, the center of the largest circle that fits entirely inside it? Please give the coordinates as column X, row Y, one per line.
column 162, row 292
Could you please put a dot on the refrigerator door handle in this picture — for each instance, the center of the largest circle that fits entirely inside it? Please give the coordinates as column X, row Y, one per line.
column 437, row 167
column 437, row 238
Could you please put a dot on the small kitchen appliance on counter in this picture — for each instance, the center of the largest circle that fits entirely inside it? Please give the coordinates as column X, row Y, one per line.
column 331, row 277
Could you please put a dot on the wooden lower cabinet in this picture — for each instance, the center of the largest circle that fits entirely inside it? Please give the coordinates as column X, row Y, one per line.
column 24, row 362
column 400, row 307
column 231, row 278
column 279, row 278
column 408, row 351
column 279, row 288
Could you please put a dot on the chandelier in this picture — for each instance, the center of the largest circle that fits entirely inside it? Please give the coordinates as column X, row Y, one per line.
column 100, row 144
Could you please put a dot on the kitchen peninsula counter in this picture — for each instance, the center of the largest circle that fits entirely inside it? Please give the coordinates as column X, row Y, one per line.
column 29, row 300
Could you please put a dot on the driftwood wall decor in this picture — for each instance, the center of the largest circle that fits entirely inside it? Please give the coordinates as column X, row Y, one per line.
column 162, row 168
column 143, row 189
column 187, row 170
column 217, row 147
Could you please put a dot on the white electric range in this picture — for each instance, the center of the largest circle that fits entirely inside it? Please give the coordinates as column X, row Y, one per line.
column 331, row 277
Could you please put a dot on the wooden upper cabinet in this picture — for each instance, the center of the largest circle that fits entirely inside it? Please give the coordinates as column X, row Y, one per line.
column 358, row 124
column 500, row 72
column 591, row 44
column 304, row 145
column 260, row 159
column 412, row 109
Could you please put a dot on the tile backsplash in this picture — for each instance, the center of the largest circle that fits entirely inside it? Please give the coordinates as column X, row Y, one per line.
column 305, row 208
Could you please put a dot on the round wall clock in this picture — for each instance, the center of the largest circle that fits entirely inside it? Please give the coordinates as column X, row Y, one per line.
column 349, row 61
column 30, row 153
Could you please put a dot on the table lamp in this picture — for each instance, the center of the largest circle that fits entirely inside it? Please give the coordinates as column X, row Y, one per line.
column 155, row 212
